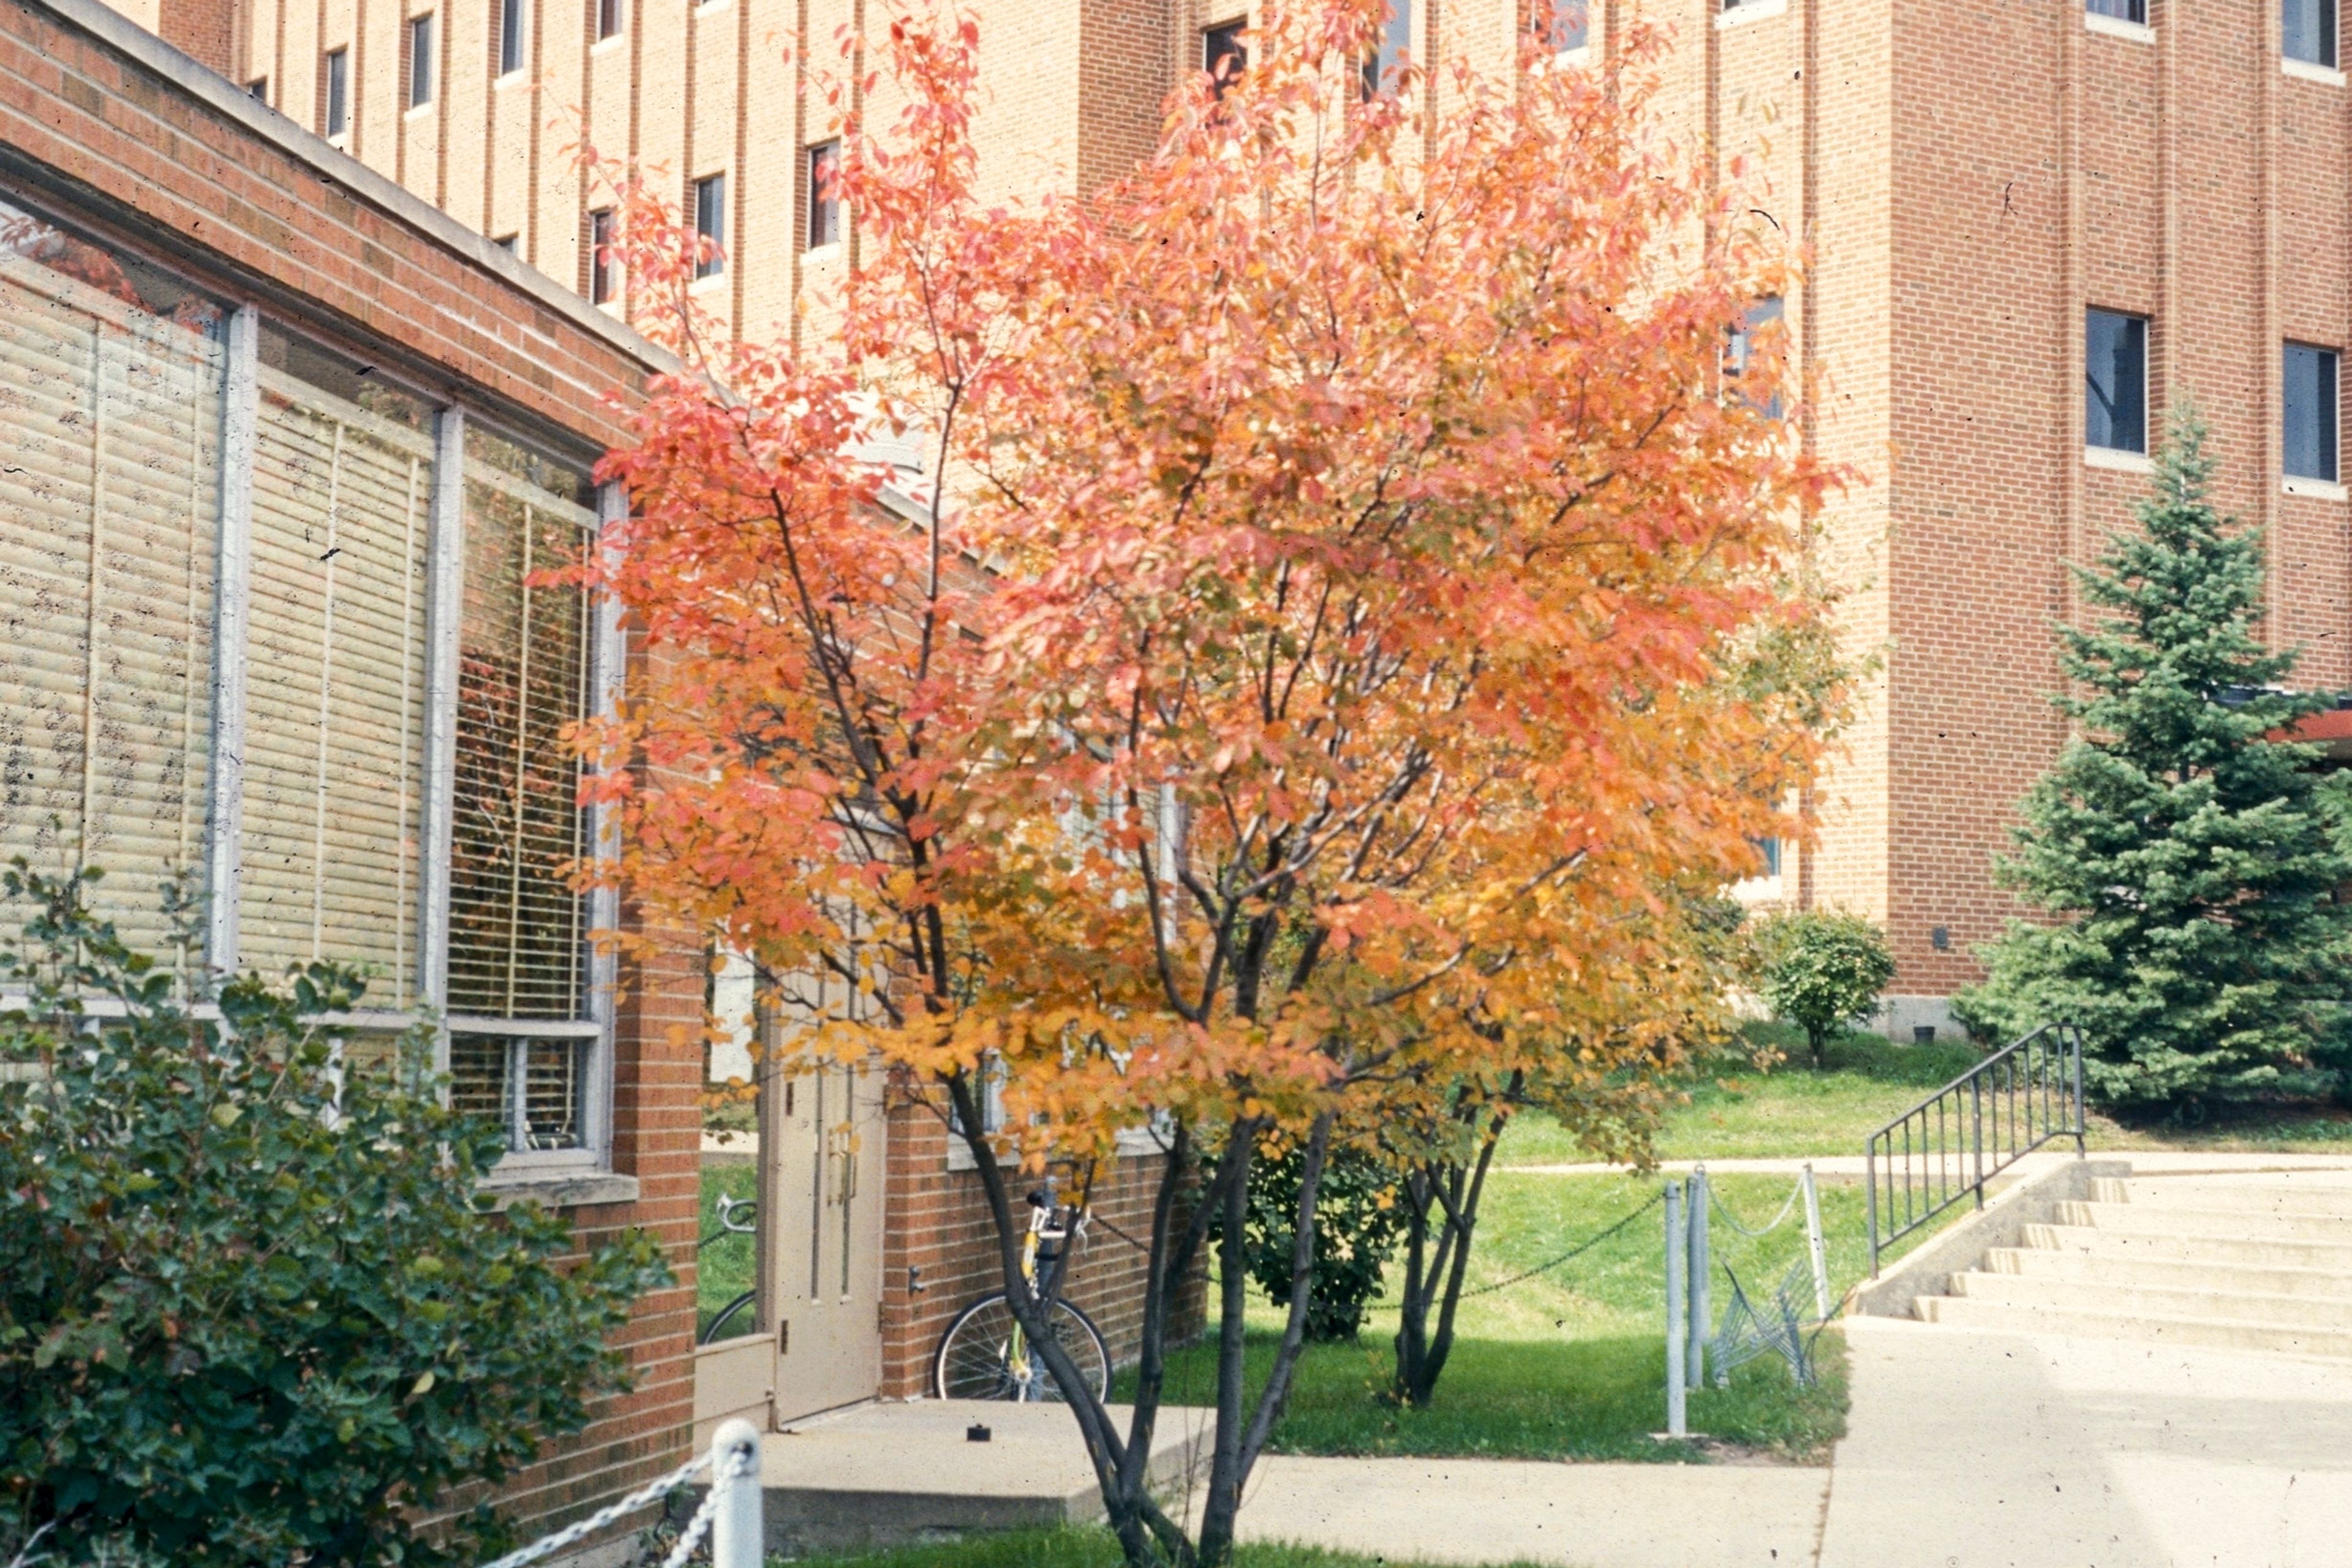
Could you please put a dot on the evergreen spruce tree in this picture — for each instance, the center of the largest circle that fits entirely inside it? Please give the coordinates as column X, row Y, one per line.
column 2189, row 861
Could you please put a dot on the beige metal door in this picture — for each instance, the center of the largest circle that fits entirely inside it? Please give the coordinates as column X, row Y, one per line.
column 821, row 1234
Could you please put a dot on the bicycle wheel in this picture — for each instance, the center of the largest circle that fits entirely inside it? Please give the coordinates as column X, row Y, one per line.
column 727, row 1315
column 976, row 1358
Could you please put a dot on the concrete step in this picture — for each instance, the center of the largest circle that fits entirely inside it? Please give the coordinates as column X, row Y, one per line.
column 2157, row 1242
column 2188, row 1296
column 2321, row 1192
column 2001, row 1317
column 2142, row 1219
column 2108, row 1268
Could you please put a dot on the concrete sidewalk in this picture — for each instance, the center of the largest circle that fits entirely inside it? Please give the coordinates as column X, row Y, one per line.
column 1968, row 1449
column 1499, row 1511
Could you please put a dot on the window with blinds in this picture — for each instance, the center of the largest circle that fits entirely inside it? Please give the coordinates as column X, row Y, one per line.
column 335, row 683
column 111, row 383
column 517, row 997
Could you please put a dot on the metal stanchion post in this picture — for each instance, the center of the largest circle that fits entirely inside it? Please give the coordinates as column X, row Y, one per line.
column 1813, row 1241
column 1702, row 1312
column 1677, row 1325
column 737, row 1539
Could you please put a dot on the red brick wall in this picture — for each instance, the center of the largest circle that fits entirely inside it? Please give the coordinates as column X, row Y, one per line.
column 938, row 1223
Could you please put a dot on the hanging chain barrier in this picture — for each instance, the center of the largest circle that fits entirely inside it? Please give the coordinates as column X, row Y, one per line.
column 1587, row 1245
column 730, row 1513
column 1769, row 1226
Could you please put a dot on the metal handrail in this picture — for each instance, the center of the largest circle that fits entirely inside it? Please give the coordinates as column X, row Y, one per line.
column 1972, row 1129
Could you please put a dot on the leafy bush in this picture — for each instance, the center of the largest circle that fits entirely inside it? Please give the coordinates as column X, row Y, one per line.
column 1356, row 1223
column 252, row 1308
column 1822, row 971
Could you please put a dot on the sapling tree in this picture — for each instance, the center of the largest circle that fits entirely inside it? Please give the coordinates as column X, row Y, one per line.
column 1331, row 611
column 1822, row 970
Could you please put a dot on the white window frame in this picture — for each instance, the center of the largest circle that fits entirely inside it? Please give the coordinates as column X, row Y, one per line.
column 445, row 594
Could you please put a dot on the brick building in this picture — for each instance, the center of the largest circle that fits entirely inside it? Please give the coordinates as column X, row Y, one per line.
column 2013, row 204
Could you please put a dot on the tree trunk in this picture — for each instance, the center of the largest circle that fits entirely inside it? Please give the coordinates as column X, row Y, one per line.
column 1449, row 1194
column 1236, row 1448
column 1182, row 1209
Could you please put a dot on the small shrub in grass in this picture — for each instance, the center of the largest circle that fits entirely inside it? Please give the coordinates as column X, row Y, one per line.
column 251, row 1308
column 1357, row 1220
column 1822, row 970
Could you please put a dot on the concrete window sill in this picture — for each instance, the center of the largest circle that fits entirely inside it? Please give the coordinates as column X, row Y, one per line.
column 2118, row 462
column 1576, row 59
column 561, row 1189
column 2304, row 70
column 2314, row 489
column 1749, row 11
column 2117, row 28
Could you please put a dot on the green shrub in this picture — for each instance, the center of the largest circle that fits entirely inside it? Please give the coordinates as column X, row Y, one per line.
column 252, row 1308
column 1356, row 1223
column 1822, row 971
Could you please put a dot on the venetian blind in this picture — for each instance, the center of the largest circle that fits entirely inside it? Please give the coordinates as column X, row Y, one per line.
column 335, row 688
column 110, row 495
column 517, row 929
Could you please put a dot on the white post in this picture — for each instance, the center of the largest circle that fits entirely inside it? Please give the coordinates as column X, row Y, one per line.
column 1813, row 1240
column 737, row 1537
column 1702, row 1307
column 1677, row 1325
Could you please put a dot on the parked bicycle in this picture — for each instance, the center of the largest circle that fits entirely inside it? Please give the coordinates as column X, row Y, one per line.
column 986, row 1353
column 736, row 1217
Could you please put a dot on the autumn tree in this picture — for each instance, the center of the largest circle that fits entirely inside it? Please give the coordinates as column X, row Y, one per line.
column 1337, row 597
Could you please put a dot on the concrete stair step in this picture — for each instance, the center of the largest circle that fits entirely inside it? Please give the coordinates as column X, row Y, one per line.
column 2261, row 1250
column 2231, row 1195
column 2191, row 1296
column 2181, row 1220
column 2001, row 1317
column 2091, row 1266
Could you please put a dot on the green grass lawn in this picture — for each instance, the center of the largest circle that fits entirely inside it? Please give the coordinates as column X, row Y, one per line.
column 1569, row 1364
column 1786, row 1110
column 1075, row 1549
column 726, row 1264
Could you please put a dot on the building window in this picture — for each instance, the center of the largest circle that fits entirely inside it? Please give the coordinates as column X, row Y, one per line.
column 420, row 61
column 1383, row 67
column 2309, row 406
column 518, row 1006
column 1759, row 331
column 1222, row 55
column 509, row 36
column 1563, row 25
column 333, row 744
column 2308, row 31
column 335, row 113
column 112, row 418
column 710, row 223
column 608, row 19
column 259, row 88
column 2134, row 11
column 604, row 261
column 823, row 195
column 2114, row 381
